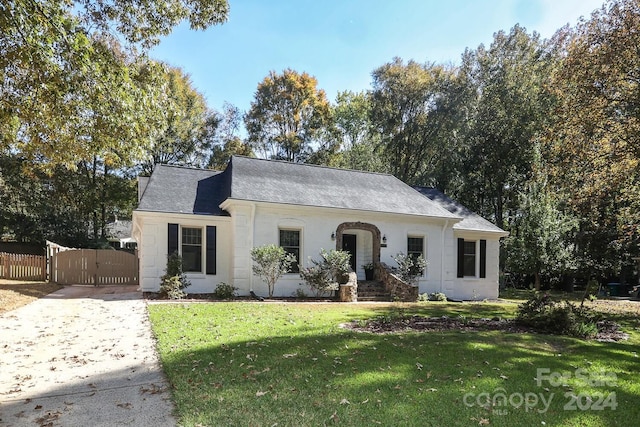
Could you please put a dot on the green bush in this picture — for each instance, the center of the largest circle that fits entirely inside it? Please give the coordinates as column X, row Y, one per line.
column 434, row 296
column 437, row 296
column 409, row 267
column 270, row 263
column 174, row 281
column 300, row 294
column 224, row 291
column 171, row 287
column 324, row 275
column 563, row 318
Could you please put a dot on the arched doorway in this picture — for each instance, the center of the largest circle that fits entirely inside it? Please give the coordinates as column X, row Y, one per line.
column 346, row 241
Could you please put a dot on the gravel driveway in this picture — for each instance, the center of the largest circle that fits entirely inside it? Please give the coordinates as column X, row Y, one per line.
column 82, row 356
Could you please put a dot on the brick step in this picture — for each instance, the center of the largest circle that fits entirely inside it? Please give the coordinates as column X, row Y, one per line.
column 374, row 298
column 370, row 285
column 372, row 290
column 372, row 294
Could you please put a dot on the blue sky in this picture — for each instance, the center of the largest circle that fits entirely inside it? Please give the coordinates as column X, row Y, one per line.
column 341, row 42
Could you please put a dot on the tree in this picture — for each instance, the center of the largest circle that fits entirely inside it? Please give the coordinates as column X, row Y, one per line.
column 509, row 110
column 594, row 145
column 102, row 193
column 286, row 115
column 414, row 110
column 359, row 145
column 351, row 117
column 69, row 90
column 270, row 263
column 69, row 207
column 541, row 239
column 185, row 130
column 227, row 141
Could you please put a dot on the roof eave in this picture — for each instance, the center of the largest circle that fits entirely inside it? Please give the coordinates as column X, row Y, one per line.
column 499, row 232
column 226, row 204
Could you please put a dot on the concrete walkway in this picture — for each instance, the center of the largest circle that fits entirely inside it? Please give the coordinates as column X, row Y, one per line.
column 82, row 356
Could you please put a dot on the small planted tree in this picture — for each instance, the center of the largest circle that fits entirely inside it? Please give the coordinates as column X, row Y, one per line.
column 324, row 276
column 409, row 267
column 270, row 263
column 174, row 281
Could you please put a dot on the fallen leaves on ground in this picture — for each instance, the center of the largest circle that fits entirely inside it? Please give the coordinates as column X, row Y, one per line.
column 14, row 294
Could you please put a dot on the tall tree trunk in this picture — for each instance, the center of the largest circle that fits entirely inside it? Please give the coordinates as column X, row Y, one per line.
column 103, row 206
column 94, row 198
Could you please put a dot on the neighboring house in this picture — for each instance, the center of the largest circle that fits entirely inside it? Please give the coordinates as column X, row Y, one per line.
column 119, row 234
column 214, row 219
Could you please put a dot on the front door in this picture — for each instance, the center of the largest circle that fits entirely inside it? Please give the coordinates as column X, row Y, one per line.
column 349, row 245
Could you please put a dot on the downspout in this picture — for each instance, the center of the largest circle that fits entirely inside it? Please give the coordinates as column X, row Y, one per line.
column 442, row 249
column 252, row 234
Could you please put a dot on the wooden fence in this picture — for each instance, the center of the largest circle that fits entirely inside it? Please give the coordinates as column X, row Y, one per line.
column 23, row 267
column 94, row 267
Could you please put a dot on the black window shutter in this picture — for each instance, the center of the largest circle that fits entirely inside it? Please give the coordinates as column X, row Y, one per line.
column 173, row 239
column 211, row 250
column 483, row 259
column 460, row 257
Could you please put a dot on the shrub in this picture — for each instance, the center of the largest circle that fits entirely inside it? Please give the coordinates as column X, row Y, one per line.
column 317, row 278
column 437, row 296
column 434, row 296
column 337, row 263
column 300, row 294
column 564, row 318
column 224, row 291
column 409, row 267
column 171, row 287
column 324, row 275
column 270, row 263
column 174, row 281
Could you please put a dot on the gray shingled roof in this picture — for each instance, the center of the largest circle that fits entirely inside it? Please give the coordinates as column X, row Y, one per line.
column 471, row 220
column 177, row 189
column 309, row 185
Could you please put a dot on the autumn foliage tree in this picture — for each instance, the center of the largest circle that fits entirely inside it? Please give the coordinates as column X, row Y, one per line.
column 594, row 145
column 185, row 126
column 286, row 115
column 80, row 101
column 73, row 83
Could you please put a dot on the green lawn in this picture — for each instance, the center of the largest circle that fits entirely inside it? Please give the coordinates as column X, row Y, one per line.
column 291, row 364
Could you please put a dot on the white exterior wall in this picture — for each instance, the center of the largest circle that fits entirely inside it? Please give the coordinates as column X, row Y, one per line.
column 471, row 288
column 316, row 226
column 256, row 224
column 151, row 232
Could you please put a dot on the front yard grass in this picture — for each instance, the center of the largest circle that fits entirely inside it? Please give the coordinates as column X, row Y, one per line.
column 291, row 364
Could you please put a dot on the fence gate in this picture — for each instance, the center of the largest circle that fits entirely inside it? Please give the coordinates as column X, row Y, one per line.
column 94, row 267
